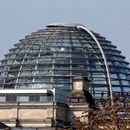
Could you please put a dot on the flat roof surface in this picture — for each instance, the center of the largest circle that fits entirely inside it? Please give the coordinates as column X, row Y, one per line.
column 2, row 91
column 64, row 24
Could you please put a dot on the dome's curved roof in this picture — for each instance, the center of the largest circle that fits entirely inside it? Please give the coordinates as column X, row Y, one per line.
column 50, row 57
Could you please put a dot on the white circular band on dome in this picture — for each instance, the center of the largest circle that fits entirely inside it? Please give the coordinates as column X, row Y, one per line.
column 103, row 55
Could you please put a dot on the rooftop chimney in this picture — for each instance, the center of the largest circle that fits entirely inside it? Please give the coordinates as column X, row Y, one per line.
column 80, row 84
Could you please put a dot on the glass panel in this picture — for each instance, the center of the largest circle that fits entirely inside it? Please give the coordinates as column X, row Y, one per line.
column 26, row 73
column 9, row 80
column 46, row 54
column 34, row 98
column 79, row 61
column 79, row 72
column 43, row 98
column 24, row 50
column 6, row 68
column 100, row 82
column 2, row 99
column 43, row 72
column 30, row 60
column 18, row 61
column 56, row 72
column 42, row 79
column 125, row 82
column 79, row 55
column 83, row 67
column 126, row 89
column 9, row 61
column 102, row 89
column 23, row 98
column 11, row 98
column 61, row 79
column 116, row 89
column 45, row 60
column 21, row 55
column 98, row 75
column 64, row 86
column 25, row 67
column 113, row 75
column 62, row 66
column 12, row 74
column 23, row 85
column 122, row 76
column 25, row 80
column 15, row 67
column 1, row 68
column 41, row 85
column 3, row 74
column 116, row 82
column 62, row 60
column 44, row 66
column 128, row 76
column 62, row 55
column 50, row 98
column 32, row 55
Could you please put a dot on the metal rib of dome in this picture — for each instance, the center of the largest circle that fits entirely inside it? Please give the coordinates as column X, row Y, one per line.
column 50, row 57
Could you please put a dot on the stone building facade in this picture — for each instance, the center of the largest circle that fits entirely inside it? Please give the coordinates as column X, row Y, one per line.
column 45, row 116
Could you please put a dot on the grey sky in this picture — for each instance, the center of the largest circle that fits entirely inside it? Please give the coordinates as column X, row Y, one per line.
column 110, row 18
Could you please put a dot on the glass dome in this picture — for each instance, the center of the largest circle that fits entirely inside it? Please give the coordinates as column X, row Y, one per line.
column 51, row 57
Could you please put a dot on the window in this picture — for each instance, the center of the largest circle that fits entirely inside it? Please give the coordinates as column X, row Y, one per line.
column 22, row 98
column 26, row 67
column 116, row 82
column 122, row 76
column 114, row 76
column 116, row 89
column 125, row 82
column 2, row 99
column 34, row 98
column 61, row 79
column 26, row 73
column 43, row 98
column 62, row 66
column 56, row 72
column 10, row 98
column 25, row 80
column 45, row 66
column 42, row 79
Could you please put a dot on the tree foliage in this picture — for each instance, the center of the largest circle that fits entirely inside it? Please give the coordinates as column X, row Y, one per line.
column 108, row 115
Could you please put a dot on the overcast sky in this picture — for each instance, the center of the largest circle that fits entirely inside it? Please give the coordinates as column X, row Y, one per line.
column 110, row 18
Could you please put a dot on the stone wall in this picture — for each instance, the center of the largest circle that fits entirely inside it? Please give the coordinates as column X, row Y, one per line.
column 43, row 116
column 31, row 115
column 40, row 116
